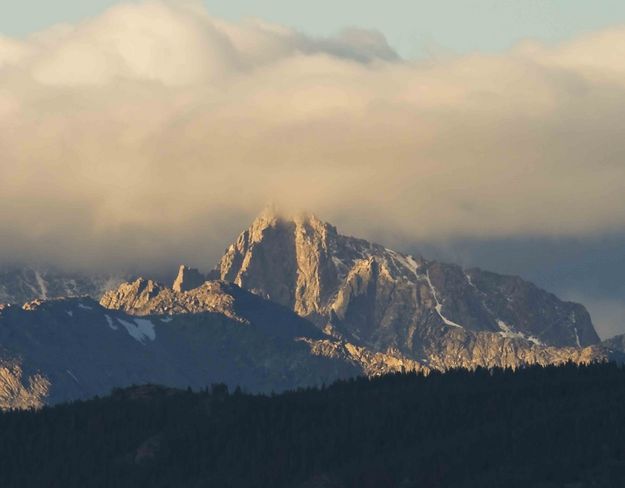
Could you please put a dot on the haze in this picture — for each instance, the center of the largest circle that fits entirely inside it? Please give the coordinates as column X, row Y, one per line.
column 152, row 133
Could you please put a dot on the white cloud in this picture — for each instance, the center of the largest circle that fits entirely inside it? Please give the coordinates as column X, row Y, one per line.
column 152, row 132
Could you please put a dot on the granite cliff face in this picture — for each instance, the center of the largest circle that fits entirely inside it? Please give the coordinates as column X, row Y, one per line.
column 188, row 278
column 17, row 392
column 437, row 314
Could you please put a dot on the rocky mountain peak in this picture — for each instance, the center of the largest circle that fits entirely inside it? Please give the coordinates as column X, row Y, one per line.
column 272, row 218
column 188, row 278
column 380, row 298
column 135, row 294
column 284, row 259
column 33, row 304
column 146, row 297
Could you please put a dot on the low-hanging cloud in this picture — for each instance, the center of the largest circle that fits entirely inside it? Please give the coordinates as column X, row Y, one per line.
column 151, row 133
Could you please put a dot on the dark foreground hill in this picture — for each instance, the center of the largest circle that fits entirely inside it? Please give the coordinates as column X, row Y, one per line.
column 536, row 427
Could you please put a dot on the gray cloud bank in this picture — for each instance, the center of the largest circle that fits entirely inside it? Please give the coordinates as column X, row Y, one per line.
column 153, row 132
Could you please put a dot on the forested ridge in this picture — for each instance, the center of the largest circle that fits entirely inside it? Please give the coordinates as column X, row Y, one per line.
column 544, row 427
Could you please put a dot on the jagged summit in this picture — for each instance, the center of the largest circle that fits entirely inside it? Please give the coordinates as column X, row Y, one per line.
column 272, row 217
column 269, row 250
column 147, row 297
column 188, row 278
column 293, row 302
column 380, row 298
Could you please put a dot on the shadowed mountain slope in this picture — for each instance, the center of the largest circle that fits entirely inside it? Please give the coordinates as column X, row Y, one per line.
column 535, row 427
column 66, row 349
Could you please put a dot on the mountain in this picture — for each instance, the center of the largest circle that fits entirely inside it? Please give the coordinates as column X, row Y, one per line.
column 188, row 279
column 438, row 314
column 58, row 350
column 616, row 343
column 146, row 297
column 21, row 284
column 293, row 303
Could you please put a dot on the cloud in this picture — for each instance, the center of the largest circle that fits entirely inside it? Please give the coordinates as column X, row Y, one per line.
column 152, row 133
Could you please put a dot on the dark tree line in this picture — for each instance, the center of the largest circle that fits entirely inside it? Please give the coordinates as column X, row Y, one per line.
column 536, row 427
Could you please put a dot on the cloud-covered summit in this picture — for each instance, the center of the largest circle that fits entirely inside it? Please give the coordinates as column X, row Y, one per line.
column 153, row 132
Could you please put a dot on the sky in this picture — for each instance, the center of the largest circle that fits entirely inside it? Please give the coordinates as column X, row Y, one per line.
column 415, row 28
column 488, row 133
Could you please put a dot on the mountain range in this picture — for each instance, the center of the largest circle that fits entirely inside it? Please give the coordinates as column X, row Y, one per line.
column 292, row 303
column 21, row 284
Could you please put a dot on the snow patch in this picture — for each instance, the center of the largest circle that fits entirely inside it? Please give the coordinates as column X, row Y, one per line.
column 140, row 330
column 414, row 265
column 470, row 281
column 340, row 267
column 573, row 319
column 407, row 262
column 110, row 322
column 439, row 305
column 579, row 344
column 509, row 332
column 73, row 376
column 42, row 285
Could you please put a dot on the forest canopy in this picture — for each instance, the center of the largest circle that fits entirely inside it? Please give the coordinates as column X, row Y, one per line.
column 539, row 426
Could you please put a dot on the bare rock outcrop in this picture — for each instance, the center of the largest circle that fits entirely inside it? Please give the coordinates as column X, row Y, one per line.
column 18, row 392
column 437, row 314
column 187, row 279
column 147, row 297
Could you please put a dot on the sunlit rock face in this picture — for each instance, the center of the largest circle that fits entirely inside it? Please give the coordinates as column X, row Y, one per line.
column 133, row 295
column 187, row 279
column 371, row 296
column 18, row 391
column 146, row 297
column 22, row 284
